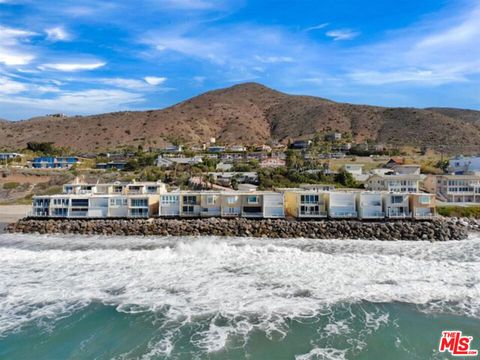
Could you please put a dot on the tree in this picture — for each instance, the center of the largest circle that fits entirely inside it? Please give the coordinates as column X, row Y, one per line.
column 345, row 178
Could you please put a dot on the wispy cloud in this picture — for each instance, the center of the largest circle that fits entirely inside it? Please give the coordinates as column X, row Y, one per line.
column 317, row 27
column 8, row 86
column 188, row 4
column 342, row 34
column 71, row 67
column 274, row 59
column 434, row 52
column 154, row 80
column 78, row 102
column 58, row 34
column 12, row 49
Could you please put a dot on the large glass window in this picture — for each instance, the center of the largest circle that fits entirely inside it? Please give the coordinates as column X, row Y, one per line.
column 397, row 199
column 309, row 199
column 190, row 200
column 188, row 208
column 252, row 199
column 139, row 202
column 169, row 199
column 79, row 202
column 211, row 200
column 232, row 199
column 424, row 199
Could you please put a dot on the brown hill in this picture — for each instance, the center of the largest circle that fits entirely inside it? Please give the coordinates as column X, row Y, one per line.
column 251, row 114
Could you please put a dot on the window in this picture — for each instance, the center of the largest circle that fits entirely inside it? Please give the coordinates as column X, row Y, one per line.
column 231, row 210
column 252, row 199
column 232, row 199
column 424, row 199
column 139, row 202
column 169, row 199
column 188, row 208
column 211, row 200
column 151, row 189
column 309, row 199
column 79, row 202
column 118, row 202
column 117, row 189
column 60, row 212
column 63, row 202
column 190, row 200
column 397, row 199
column 139, row 212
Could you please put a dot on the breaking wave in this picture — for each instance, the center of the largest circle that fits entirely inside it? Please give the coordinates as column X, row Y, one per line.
column 235, row 287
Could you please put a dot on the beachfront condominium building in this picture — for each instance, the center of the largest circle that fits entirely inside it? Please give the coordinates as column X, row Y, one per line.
column 94, row 206
column 455, row 188
column 231, row 204
column 169, row 205
column 306, row 204
column 394, row 183
column 370, row 205
column 253, row 204
column 422, row 205
column 396, row 205
column 342, row 205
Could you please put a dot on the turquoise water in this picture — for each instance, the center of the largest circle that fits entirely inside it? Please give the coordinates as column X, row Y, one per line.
column 229, row 298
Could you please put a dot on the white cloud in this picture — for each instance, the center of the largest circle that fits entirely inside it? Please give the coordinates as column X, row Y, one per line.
column 188, row 4
column 12, row 51
column 342, row 34
column 273, row 59
column 425, row 76
column 8, row 86
column 443, row 49
column 154, row 80
column 58, row 34
column 71, row 67
column 76, row 102
column 317, row 27
column 132, row 84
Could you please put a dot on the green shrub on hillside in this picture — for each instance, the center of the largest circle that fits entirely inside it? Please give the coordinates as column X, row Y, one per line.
column 459, row 211
column 10, row 185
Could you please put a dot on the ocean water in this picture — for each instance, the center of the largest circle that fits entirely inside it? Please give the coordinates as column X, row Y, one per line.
column 71, row 297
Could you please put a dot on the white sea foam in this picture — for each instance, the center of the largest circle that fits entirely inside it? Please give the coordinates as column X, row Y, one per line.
column 239, row 284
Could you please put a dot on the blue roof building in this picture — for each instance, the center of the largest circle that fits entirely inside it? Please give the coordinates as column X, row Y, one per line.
column 52, row 162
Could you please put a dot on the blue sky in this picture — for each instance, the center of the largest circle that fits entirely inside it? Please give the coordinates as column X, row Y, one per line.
column 93, row 56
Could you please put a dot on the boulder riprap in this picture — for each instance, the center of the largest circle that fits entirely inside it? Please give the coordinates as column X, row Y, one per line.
column 437, row 230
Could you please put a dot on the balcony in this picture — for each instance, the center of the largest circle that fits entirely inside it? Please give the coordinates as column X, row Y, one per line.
column 312, row 213
column 394, row 214
column 343, row 214
column 211, row 211
column 372, row 215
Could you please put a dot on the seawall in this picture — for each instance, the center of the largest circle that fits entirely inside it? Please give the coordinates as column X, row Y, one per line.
column 436, row 230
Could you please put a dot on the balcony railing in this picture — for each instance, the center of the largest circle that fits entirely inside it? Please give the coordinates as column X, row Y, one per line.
column 345, row 214
column 399, row 214
column 373, row 215
column 312, row 213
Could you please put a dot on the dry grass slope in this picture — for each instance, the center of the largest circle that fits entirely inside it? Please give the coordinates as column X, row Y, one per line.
column 251, row 114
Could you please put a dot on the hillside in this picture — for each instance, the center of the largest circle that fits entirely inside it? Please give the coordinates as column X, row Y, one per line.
column 251, row 114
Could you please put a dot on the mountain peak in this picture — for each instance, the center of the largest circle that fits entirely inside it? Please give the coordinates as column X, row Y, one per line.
column 251, row 113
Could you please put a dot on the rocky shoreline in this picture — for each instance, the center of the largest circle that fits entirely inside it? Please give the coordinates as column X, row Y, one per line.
column 441, row 229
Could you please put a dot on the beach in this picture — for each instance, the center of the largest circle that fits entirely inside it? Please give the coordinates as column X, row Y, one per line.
column 11, row 213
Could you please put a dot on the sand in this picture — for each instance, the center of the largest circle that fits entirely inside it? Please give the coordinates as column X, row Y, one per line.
column 12, row 213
